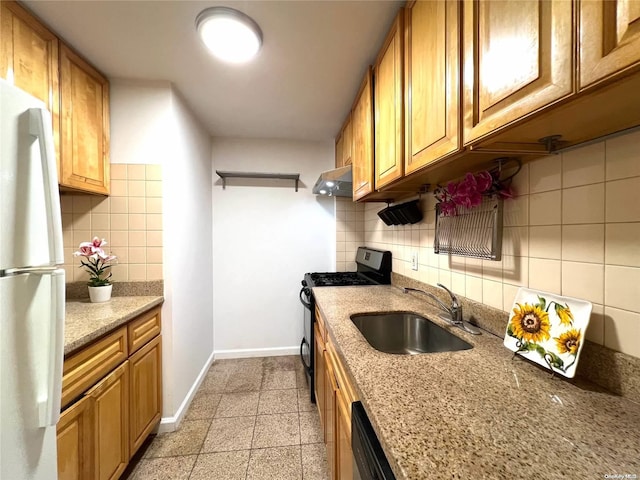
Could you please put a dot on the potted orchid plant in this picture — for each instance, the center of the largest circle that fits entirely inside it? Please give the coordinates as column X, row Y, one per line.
column 98, row 264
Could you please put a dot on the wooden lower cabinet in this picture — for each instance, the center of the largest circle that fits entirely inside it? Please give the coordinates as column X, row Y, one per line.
column 319, row 374
column 110, row 399
column 104, row 423
column 75, row 456
column 145, row 392
column 344, row 454
column 331, row 387
column 334, row 395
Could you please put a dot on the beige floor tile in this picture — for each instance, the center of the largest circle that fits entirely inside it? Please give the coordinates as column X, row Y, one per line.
column 244, row 381
column 281, row 463
column 310, row 429
column 221, row 466
column 301, row 379
column 239, row 404
column 203, row 405
column 278, row 401
column 314, row 462
column 304, row 400
column 226, row 434
column 279, row 379
column 170, row 468
column 288, row 362
column 276, row 430
column 188, row 439
column 215, row 381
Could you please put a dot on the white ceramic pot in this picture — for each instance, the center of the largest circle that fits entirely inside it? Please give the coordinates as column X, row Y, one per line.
column 100, row 294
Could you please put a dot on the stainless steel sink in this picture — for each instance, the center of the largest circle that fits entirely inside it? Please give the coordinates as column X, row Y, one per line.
column 406, row 333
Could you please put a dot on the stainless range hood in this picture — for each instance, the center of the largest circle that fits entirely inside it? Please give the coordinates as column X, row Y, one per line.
column 336, row 183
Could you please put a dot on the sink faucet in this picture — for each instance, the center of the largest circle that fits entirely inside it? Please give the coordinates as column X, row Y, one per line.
column 454, row 311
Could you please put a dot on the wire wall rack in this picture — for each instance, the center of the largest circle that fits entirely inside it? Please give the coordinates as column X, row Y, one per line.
column 474, row 232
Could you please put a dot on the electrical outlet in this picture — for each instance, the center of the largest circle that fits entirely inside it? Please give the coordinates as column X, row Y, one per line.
column 414, row 261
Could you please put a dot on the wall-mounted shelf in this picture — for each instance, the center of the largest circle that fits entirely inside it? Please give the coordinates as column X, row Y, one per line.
column 279, row 176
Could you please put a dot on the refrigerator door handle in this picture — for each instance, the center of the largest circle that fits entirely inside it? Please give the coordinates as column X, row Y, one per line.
column 40, row 127
column 34, row 270
column 49, row 407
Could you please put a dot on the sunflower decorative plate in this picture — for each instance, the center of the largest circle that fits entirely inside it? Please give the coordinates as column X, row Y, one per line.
column 548, row 329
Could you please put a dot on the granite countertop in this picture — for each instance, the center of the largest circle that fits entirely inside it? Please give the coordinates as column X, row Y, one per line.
column 86, row 321
column 478, row 413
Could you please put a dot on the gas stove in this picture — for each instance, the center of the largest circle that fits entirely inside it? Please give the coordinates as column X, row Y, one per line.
column 373, row 268
column 337, row 279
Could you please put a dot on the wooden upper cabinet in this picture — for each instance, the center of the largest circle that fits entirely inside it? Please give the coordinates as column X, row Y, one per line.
column 389, row 107
column 84, row 161
column 347, row 142
column 517, row 59
column 339, row 149
column 432, row 82
column 362, row 130
column 344, row 144
column 29, row 59
column 609, row 39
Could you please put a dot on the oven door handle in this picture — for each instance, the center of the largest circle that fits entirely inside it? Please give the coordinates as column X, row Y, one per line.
column 302, row 344
column 305, row 292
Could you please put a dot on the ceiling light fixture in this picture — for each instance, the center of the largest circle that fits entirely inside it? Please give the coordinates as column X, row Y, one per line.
column 230, row 35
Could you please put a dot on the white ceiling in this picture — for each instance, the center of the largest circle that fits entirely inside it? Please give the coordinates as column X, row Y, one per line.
column 301, row 86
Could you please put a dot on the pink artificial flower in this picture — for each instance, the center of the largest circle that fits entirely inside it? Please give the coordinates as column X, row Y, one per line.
column 484, row 181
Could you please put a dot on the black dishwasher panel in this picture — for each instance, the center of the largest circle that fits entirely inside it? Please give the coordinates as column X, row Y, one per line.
column 368, row 456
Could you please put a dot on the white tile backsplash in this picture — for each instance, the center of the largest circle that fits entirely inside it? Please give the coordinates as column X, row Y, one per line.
column 623, row 200
column 583, row 204
column 583, row 166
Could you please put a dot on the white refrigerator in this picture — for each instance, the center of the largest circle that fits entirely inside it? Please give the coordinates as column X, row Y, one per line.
column 32, row 288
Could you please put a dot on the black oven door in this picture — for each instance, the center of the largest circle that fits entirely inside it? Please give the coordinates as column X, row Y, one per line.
column 369, row 461
column 307, row 343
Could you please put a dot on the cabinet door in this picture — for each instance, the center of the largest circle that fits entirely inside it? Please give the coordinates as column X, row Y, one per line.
column 344, row 454
column 74, row 435
column 432, row 82
column 319, row 374
column 347, row 141
column 609, row 39
column 362, row 129
column 29, row 59
column 339, row 150
column 145, row 392
column 388, row 104
column 84, row 161
column 330, row 415
column 517, row 60
column 110, row 400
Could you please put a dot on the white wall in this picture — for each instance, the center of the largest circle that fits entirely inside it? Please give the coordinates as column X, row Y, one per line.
column 266, row 236
column 188, row 252
column 150, row 124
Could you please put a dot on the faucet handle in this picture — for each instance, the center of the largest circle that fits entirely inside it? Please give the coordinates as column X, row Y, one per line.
column 455, row 303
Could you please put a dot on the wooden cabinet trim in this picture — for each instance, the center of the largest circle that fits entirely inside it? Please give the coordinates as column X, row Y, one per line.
column 143, row 422
column 143, row 328
column 85, row 368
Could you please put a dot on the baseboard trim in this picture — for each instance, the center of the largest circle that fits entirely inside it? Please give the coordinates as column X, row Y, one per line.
column 256, row 352
column 171, row 424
